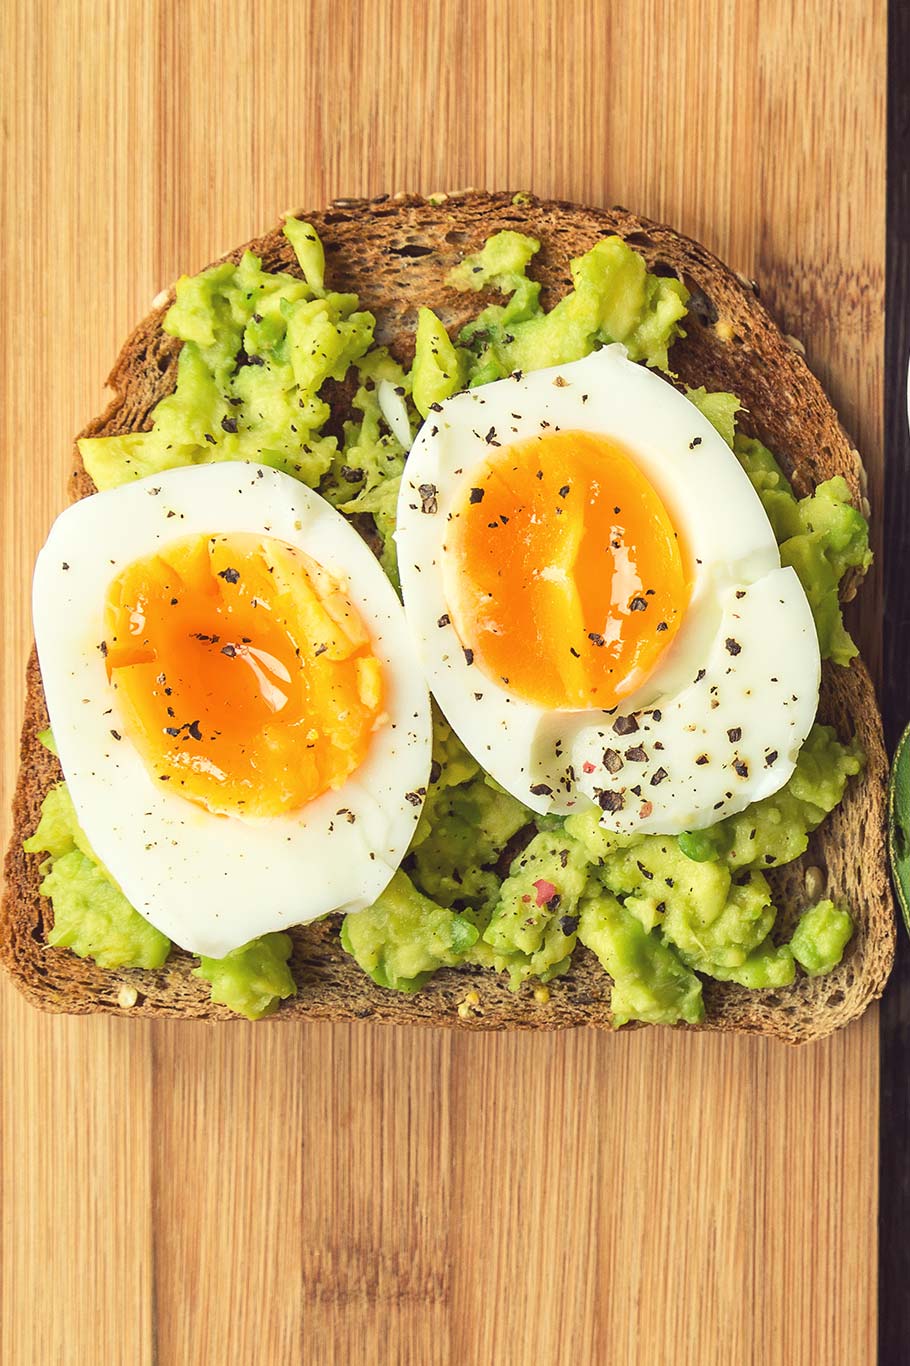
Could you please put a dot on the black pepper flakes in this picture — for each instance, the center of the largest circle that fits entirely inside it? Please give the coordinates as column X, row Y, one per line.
column 229, row 650
column 638, row 604
column 659, row 777
column 541, row 789
column 476, row 495
column 596, row 639
column 568, row 924
column 625, row 725
column 637, row 755
column 696, row 441
column 611, row 801
column 770, row 758
column 564, row 491
column 733, row 647
column 612, row 760
column 444, row 620
column 735, row 734
column 351, row 475
column 428, row 501
column 468, row 656
column 229, row 424
column 741, row 768
column 702, row 759
column 229, row 575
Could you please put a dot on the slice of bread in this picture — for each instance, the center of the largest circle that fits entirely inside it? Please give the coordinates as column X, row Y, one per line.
column 395, row 253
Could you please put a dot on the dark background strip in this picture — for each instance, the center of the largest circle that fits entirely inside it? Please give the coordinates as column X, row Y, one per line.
column 894, row 1201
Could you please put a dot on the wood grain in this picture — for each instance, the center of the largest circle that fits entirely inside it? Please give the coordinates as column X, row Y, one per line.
column 347, row 1194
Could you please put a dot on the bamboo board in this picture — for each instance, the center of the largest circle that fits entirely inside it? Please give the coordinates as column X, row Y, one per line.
column 331, row 1194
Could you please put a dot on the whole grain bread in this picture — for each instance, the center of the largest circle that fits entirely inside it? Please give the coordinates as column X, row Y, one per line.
column 395, row 253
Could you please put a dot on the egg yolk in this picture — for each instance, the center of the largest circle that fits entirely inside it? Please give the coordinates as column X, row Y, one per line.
column 244, row 675
column 564, row 574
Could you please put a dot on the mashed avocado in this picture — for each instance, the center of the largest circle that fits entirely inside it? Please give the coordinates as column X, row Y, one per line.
column 821, row 536
column 649, row 981
column 94, row 919
column 614, row 299
column 405, row 937
column 820, row 938
column 485, row 883
column 697, row 906
column 251, row 980
column 91, row 915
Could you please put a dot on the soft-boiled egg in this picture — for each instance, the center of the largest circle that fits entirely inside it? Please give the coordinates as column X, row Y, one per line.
column 598, row 599
column 235, row 699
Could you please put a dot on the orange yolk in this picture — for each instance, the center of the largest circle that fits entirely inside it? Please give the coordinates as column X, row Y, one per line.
column 564, row 573
column 245, row 676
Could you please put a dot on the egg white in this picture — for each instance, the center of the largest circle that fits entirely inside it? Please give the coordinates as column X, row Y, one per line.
column 539, row 755
column 212, row 882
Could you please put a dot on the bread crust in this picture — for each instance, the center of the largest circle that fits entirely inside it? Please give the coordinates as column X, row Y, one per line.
column 395, row 253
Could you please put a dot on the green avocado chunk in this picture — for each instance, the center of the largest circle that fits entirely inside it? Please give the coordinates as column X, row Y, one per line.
column 91, row 915
column 820, row 937
column 257, row 348
column 821, row 536
column 404, row 937
column 439, row 370
column 532, row 929
column 466, row 822
column 719, row 408
column 649, row 981
column 94, row 919
column 770, row 965
column 253, row 979
column 776, row 830
column 615, row 299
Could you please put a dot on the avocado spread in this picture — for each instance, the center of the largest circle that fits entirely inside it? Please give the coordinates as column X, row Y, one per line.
column 486, row 883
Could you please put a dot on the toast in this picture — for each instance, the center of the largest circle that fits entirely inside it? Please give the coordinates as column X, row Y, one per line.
column 395, row 253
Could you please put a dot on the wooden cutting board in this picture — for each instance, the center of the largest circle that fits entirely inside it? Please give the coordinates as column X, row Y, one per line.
column 319, row 1194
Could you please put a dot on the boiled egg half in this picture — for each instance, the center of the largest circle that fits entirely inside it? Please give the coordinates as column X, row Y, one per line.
column 598, row 599
column 235, row 699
